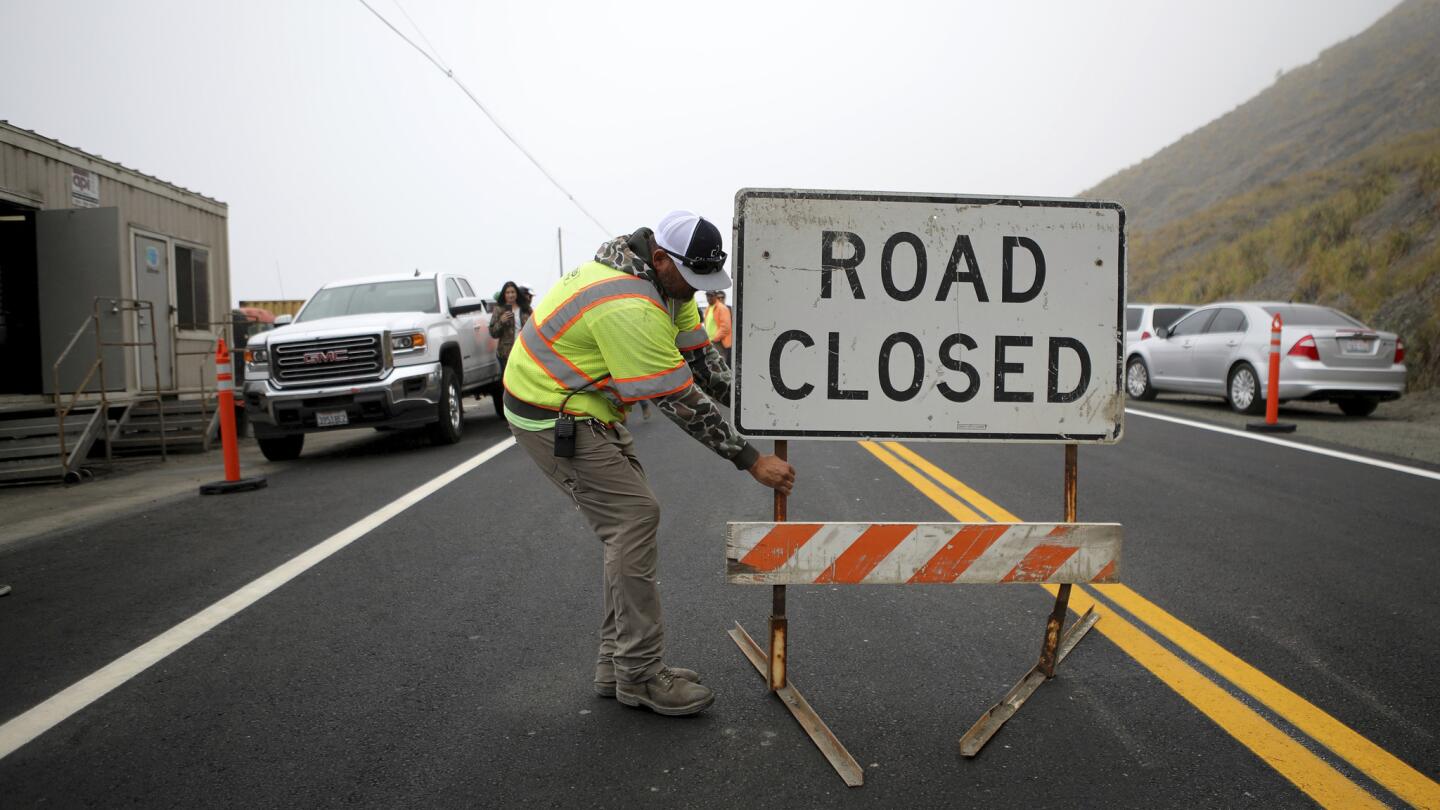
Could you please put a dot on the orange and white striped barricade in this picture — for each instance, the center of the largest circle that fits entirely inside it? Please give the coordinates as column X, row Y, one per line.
column 229, row 440
column 921, row 553
column 783, row 553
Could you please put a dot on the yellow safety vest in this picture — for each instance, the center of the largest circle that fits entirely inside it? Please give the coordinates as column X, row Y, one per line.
column 711, row 323
column 606, row 334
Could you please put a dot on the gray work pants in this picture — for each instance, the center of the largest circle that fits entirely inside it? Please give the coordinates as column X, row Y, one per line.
column 607, row 483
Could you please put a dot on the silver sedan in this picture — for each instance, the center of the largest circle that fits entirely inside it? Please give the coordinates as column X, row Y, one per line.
column 1224, row 350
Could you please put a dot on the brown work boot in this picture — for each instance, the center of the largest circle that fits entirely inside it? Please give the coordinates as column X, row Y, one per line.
column 605, row 677
column 666, row 694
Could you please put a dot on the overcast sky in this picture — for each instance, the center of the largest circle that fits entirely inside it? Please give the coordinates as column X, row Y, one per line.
column 342, row 152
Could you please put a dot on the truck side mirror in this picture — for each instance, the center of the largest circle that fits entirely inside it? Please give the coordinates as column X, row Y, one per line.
column 281, row 320
column 464, row 306
column 1162, row 332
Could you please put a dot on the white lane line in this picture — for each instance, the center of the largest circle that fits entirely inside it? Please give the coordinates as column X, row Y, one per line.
column 52, row 712
column 1308, row 448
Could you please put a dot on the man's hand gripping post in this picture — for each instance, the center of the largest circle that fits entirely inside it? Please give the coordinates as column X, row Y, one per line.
column 774, row 472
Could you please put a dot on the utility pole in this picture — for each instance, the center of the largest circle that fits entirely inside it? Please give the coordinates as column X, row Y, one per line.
column 560, row 251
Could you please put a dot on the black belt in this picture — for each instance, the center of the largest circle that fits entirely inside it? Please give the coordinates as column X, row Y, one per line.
column 525, row 410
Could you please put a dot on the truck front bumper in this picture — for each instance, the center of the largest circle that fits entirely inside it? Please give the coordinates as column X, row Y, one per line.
column 405, row 397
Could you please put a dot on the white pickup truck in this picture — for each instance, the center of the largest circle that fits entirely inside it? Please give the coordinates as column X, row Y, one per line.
column 388, row 352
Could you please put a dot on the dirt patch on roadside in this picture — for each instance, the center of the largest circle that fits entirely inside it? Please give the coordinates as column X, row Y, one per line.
column 1408, row 428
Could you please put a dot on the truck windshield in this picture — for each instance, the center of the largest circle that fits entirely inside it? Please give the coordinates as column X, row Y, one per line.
column 362, row 299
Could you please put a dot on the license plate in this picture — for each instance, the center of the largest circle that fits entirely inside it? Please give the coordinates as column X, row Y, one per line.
column 1355, row 345
column 331, row 418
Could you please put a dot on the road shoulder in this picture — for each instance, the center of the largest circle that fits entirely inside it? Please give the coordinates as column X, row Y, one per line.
column 1405, row 431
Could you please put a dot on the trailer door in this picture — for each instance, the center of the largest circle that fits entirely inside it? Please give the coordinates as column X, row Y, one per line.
column 78, row 256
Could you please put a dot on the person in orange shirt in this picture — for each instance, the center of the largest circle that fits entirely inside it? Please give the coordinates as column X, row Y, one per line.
column 717, row 324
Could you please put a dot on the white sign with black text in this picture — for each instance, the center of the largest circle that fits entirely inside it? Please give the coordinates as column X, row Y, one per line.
column 928, row 317
column 84, row 189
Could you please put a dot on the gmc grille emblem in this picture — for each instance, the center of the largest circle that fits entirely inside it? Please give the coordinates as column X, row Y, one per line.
column 334, row 356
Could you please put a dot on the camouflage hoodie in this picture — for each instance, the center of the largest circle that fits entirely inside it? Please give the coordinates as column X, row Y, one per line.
column 690, row 408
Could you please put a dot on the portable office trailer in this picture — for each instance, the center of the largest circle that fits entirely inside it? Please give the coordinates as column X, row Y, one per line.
column 75, row 227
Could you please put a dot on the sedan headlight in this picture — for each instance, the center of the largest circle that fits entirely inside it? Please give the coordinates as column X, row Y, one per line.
column 407, row 342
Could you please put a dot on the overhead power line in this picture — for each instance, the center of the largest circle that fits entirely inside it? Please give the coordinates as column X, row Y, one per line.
column 434, row 50
column 434, row 59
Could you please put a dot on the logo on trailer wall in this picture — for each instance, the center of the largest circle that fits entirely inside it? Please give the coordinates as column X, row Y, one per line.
column 928, row 316
column 84, row 189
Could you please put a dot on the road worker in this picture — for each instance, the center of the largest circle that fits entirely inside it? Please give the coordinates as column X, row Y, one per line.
column 717, row 322
column 617, row 330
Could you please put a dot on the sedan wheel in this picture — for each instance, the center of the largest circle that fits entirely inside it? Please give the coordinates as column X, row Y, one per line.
column 1137, row 380
column 1244, row 390
column 1360, row 406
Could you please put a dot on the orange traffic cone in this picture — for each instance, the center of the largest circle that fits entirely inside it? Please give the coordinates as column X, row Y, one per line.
column 1272, row 423
column 230, row 444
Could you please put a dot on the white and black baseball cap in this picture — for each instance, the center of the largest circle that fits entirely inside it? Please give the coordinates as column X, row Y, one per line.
column 694, row 243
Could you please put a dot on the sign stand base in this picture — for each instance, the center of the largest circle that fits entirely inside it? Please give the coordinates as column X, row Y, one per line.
column 820, row 734
column 991, row 721
column 1056, row 645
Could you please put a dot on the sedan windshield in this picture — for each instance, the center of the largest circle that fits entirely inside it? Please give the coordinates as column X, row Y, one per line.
column 363, row 299
column 1301, row 315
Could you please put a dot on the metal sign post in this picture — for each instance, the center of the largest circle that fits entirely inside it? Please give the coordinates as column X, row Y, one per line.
column 864, row 315
column 778, row 622
column 772, row 668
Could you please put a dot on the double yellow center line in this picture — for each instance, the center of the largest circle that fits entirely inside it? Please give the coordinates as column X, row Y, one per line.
column 1307, row 771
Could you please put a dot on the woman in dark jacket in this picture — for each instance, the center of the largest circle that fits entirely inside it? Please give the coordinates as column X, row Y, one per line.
column 512, row 310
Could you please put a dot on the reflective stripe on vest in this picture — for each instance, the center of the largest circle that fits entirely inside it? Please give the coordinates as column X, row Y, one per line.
column 565, row 315
column 539, row 340
column 653, row 385
column 552, row 362
column 562, row 371
column 692, row 340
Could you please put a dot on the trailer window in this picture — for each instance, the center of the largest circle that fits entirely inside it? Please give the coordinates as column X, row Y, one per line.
column 192, row 287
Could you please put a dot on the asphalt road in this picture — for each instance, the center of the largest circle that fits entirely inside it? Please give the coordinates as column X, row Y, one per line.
column 443, row 658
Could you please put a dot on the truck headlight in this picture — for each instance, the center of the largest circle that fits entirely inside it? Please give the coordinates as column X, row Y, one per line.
column 257, row 359
column 407, row 342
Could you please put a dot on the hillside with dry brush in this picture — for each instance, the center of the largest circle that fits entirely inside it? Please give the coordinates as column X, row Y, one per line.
column 1324, row 188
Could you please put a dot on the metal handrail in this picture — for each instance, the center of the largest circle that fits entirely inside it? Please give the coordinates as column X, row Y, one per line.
column 65, row 404
column 117, row 305
column 217, row 330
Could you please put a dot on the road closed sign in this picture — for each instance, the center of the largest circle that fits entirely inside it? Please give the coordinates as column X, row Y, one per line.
column 928, row 316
